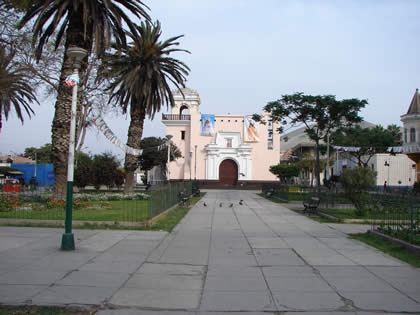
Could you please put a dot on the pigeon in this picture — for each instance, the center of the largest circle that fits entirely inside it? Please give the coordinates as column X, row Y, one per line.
column 205, row 205
column 231, row 205
column 220, row 205
column 241, row 202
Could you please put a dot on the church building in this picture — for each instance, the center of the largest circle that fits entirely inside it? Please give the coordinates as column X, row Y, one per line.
column 220, row 149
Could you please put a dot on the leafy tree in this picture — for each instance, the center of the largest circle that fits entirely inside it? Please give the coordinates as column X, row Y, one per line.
column 284, row 171
column 83, row 172
column 141, row 74
column 119, row 177
column 370, row 141
column 320, row 114
column 15, row 89
column 104, row 170
column 355, row 183
column 89, row 24
column 41, row 154
column 154, row 155
column 307, row 162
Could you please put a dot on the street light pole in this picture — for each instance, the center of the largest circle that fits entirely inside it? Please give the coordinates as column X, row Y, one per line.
column 195, row 163
column 67, row 241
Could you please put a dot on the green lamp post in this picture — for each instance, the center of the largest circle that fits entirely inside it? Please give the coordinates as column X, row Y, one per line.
column 76, row 55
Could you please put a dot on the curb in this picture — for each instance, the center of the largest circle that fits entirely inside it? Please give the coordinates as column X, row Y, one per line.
column 411, row 247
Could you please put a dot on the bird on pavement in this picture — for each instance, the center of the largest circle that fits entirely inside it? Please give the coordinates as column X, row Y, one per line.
column 241, row 202
column 220, row 205
column 231, row 205
column 205, row 205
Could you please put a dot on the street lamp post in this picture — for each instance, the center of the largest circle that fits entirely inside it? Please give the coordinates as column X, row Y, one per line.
column 67, row 241
column 195, row 162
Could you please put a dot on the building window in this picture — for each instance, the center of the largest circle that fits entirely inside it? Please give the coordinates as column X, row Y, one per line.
column 228, row 142
column 412, row 135
column 405, row 135
column 182, row 134
column 270, row 144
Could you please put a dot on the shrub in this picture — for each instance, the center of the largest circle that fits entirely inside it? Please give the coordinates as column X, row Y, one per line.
column 355, row 183
column 8, row 203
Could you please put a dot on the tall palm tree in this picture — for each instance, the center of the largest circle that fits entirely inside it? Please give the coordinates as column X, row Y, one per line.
column 89, row 24
column 16, row 90
column 140, row 75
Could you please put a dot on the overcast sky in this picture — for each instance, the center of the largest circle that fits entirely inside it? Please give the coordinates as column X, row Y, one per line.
column 245, row 53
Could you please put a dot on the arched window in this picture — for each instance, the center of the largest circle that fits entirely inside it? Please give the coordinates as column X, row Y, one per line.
column 184, row 110
column 405, row 135
column 412, row 135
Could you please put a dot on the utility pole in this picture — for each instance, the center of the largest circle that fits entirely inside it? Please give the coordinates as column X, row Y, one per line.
column 169, row 159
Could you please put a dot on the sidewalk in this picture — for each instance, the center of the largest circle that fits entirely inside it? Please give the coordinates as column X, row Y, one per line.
column 256, row 258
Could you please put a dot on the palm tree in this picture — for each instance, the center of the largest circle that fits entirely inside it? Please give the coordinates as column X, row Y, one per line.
column 140, row 75
column 15, row 88
column 89, row 24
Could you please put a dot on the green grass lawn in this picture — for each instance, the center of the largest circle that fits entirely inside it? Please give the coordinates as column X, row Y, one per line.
column 121, row 210
column 388, row 247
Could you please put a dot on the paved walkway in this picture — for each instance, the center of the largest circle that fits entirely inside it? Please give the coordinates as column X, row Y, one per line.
column 255, row 258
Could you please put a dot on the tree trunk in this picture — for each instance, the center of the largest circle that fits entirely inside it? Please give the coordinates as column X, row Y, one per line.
column 62, row 116
column 135, row 132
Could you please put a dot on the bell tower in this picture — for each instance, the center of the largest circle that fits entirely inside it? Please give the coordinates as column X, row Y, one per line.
column 411, row 133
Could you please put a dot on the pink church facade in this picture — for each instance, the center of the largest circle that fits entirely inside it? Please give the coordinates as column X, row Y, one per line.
column 223, row 149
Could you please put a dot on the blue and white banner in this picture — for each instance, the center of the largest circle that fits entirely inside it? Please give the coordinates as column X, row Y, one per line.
column 207, row 125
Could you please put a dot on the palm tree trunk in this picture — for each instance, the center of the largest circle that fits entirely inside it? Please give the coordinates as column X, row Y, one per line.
column 61, row 121
column 135, row 132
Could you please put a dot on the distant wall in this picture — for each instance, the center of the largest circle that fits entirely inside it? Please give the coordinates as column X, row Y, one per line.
column 44, row 173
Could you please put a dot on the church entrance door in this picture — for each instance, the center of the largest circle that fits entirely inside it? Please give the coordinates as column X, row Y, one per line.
column 228, row 172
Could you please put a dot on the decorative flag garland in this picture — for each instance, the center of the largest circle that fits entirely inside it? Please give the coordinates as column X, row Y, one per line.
column 103, row 127
column 72, row 80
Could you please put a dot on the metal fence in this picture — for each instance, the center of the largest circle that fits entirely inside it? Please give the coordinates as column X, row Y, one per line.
column 397, row 215
column 166, row 196
column 115, row 207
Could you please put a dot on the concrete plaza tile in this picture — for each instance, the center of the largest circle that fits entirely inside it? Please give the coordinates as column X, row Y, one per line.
column 237, row 301
column 382, row 301
column 371, row 257
column 277, row 257
column 127, row 311
column 30, row 277
column 58, row 294
column 235, row 283
column 298, row 285
column 233, row 271
column 171, row 269
column 267, row 242
column 17, row 294
column 94, row 279
column 345, row 272
column 321, row 313
column 327, row 260
column 165, row 282
column 233, row 313
column 307, row 301
column 161, row 299
column 288, row 272
column 368, row 284
column 111, row 266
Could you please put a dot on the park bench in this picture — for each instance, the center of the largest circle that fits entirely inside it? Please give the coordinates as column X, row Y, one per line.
column 269, row 193
column 311, row 205
column 183, row 198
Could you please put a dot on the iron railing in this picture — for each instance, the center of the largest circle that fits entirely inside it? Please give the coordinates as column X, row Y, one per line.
column 175, row 117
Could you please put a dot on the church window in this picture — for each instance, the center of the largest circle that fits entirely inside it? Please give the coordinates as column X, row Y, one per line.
column 182, row 134
column 228, row 142
column 412, row 135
